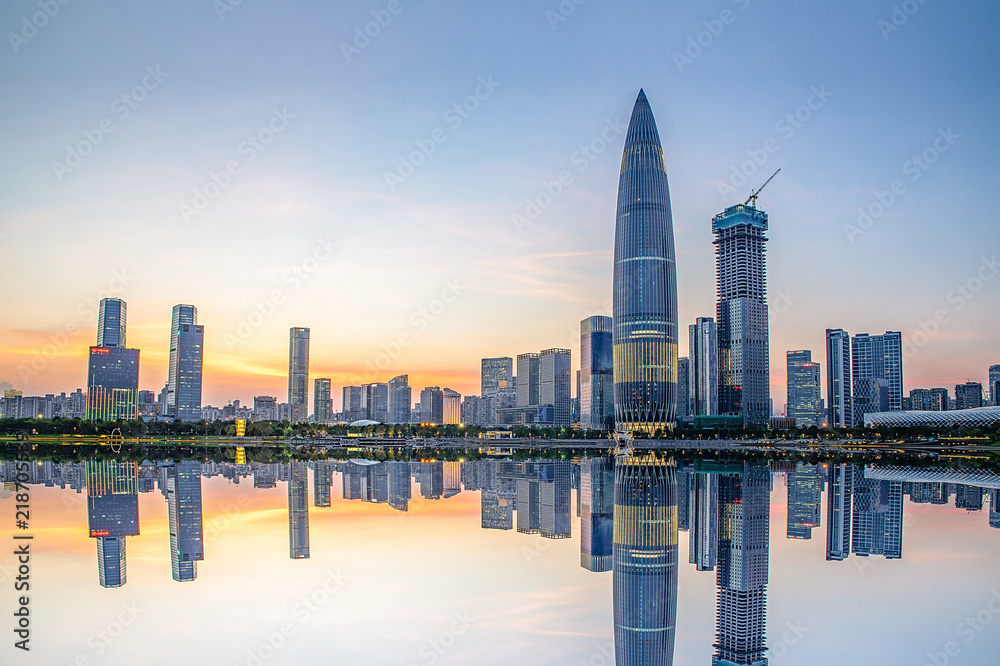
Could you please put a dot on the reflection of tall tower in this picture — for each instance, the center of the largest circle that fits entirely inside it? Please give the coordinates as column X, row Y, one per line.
column 184, row 510
column 645, row 283
column 554, row 495
column 399, row 485
column 645, row 561
column 497, row 510
column 298, row 511
column 112, row 514
column 597, row 508
column 838, row 512
column 744, row 508
column 528, row 506
column 322, row 482
column 704, row 516
column 878, row 518
column 995, row 508
column 803, row 501
column 432, row 480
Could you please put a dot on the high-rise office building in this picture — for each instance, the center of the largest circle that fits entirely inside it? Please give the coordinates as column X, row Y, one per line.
column 451, row 407
column 527, row 386
column 111, row 323
column 969, row 395
column 322, row 400
column 744, row 553
column 929, row 400
column 703, row 377
column 375, row 401
column 803, row 389
column 684, row 387
column 497, row 510
column 298, row 373
column 877, row 374
column 113, row 369
column 597, row 378
column 554, row 387
column 400, row 399
column 112, row 514
column 432, row 405
column 597, row 507
column 804, row 502
column 322, row 483
column 529, row 505
column 554, row 499
column 184, row 367
column 352, row 404
column 703, row 514
column 298, row 511
column 645, row 561
column 840, row 498
column 497, row 374
column 741, row 314
column 645, row 283
column 877, row 527
column 184, row 519
column 994, row 385
column 839, row 399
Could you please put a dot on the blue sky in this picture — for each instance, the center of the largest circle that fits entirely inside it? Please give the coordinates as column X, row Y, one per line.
column 555, row 87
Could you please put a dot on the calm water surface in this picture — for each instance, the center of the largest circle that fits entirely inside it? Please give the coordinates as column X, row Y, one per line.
column 507, row 562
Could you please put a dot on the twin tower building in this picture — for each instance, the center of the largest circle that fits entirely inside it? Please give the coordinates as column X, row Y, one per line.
column 645, row 335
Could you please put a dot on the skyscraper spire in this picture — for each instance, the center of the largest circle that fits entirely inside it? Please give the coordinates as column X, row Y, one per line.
column 645, row 283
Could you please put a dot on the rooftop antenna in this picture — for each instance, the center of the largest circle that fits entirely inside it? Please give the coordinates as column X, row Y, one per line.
column 755, row 193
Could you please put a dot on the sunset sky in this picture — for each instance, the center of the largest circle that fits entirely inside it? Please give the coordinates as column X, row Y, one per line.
column 222, row 155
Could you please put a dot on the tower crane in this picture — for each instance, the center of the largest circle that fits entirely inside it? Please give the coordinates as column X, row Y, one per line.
column 755, row 193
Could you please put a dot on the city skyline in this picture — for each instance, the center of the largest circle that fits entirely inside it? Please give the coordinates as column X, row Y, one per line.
column 858, row 131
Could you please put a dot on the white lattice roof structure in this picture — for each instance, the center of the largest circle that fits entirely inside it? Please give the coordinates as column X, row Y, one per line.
column 979, row 417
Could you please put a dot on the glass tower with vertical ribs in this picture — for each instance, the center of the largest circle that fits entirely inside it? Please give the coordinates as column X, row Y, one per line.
column 645, row 284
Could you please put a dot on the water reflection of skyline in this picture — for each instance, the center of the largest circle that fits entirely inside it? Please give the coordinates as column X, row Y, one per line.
column 724, row 507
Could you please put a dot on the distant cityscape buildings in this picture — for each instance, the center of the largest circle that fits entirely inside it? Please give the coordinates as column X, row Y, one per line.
column 803, row 389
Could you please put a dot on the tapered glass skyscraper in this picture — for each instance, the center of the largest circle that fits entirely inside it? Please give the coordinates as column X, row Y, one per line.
column 645, row 284
column 298, row 373
column 185, row 364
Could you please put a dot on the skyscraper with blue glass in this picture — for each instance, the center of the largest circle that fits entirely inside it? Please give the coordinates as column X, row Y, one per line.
column 184, row 369
column 645, row 284
column 597, row 380
column 112, row 370
column 741, row 314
